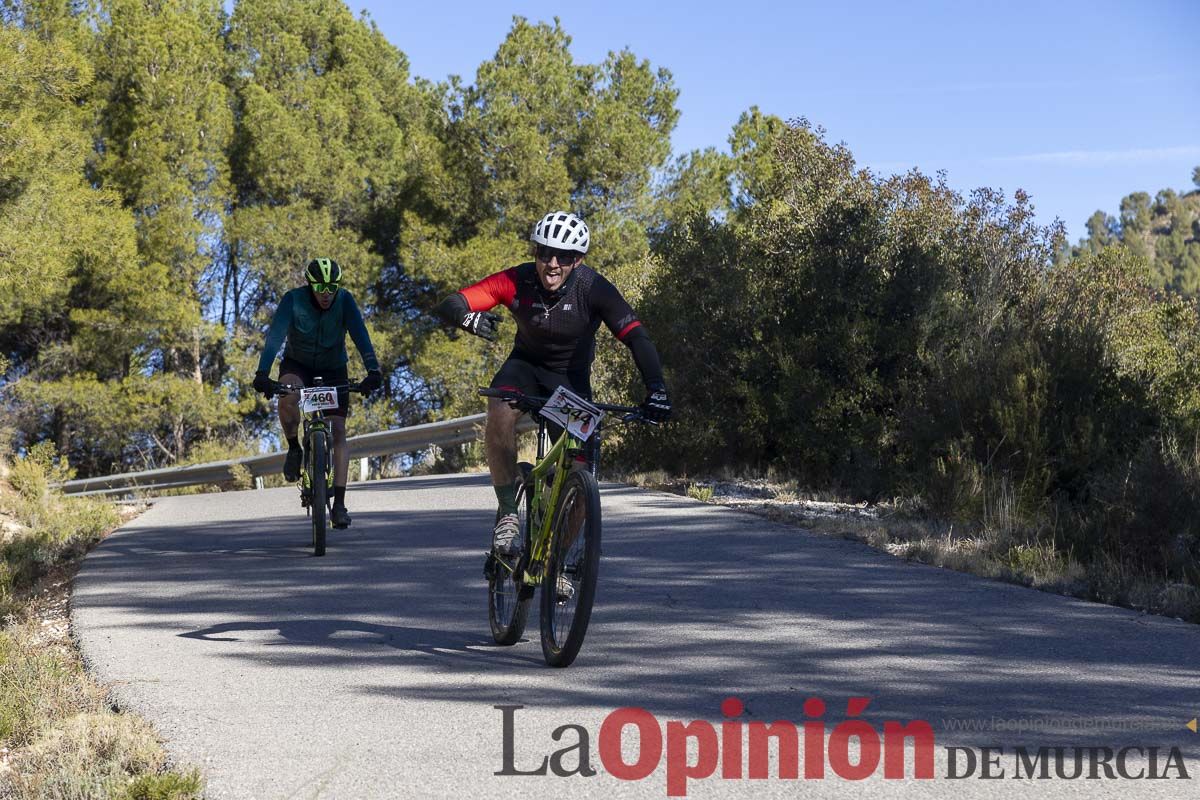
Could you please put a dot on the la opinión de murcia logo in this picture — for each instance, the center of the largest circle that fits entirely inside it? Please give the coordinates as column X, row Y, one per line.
column 740, row 749
column 1065, row 763
column 734, row 750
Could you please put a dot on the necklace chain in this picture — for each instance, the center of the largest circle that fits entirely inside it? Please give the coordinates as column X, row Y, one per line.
column 547, row 308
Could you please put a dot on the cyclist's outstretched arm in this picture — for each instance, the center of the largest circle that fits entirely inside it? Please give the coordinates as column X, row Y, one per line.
column 469, row 308
column 619, row 317
column 496, row 289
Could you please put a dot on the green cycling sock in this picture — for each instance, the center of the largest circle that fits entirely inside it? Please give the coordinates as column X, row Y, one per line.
column 507, row 495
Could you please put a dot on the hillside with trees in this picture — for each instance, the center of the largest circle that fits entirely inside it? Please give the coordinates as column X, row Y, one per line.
column 165, row 174
column 168, row 172
column 1163, row 231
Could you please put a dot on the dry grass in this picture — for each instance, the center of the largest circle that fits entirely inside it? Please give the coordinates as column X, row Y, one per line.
column 61, row 738
column 59, row 735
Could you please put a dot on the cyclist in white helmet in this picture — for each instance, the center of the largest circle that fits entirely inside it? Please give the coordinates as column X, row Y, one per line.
column 558, row 303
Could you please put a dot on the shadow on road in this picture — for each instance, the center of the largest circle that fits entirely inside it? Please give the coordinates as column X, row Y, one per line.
column 695, row 604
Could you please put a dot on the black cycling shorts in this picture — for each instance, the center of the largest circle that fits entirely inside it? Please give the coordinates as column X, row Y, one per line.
column 329, row 377
column 518, row 373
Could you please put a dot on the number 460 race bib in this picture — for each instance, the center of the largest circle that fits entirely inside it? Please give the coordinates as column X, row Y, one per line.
column 320, row 397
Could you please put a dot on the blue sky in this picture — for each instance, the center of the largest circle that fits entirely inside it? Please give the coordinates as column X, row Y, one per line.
column 1077, row 103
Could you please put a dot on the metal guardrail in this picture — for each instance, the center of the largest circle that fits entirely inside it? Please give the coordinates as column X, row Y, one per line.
column 399, row 440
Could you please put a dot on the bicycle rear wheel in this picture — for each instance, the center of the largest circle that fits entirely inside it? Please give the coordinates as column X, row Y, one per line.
column 569, row 583
column 320, row 492
column 508, row 596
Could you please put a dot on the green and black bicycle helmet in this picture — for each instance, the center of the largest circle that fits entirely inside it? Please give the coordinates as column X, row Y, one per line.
column 323, row 270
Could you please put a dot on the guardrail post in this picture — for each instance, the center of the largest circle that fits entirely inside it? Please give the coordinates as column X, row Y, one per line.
column 364, row 471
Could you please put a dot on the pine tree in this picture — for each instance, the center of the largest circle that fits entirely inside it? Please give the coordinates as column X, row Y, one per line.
column 163, row 126
column 1163, row 233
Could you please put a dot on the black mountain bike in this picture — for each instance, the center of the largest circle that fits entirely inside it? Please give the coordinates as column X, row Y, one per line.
column 316, row 478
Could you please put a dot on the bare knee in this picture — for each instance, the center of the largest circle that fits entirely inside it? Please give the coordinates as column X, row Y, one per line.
column 289, row 404
column 501, row 437
column 338, row 426
column 501, row 422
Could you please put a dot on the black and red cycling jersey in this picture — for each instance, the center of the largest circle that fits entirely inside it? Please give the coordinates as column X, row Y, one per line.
column 558, row 330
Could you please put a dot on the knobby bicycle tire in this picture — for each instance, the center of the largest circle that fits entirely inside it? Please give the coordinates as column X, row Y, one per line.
column 574, row 555
column 320, row 492
column 508, row 596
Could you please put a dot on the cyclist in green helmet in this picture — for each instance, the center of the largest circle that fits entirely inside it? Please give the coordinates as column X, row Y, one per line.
column 315, row 319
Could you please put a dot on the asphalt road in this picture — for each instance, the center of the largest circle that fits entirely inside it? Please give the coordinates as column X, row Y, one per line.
column 370, row 672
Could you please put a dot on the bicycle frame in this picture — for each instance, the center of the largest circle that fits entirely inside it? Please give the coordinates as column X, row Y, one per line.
column 540, row 520
column 543, row 501
column 314, row 425
column 315, row 489
column 558, row 520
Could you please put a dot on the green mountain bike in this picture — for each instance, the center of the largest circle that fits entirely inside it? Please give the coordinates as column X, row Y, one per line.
column 558, row 512
column 316, row 478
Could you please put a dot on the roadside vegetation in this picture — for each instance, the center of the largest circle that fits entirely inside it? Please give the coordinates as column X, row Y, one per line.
column 60, row 736
column 1036, row 405
column 883, row 337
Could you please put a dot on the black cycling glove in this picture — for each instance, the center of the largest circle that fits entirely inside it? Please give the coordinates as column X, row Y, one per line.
column 372, row 382
column 481, row 323
column 263, row 383
column 656, row 407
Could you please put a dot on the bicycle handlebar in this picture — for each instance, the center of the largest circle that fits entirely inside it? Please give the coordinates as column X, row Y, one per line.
column 282, row 389
column 631, row 413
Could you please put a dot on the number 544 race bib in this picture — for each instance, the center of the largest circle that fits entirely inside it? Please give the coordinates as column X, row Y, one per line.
column 573, row 413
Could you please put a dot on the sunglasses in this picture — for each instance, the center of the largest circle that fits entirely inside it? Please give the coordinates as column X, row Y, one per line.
column 565, row 257
column 324, row 288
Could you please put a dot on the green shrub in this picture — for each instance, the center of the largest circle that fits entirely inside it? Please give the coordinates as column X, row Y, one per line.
column 888, row 337
column 55, row 527
column 29, row 480
column 168, row 786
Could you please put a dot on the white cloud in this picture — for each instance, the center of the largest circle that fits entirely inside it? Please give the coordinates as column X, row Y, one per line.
column 1087, row 158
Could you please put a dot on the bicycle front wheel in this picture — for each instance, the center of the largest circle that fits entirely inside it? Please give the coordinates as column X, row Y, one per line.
column 569, row 583
column 508, row 595
column 320, row 492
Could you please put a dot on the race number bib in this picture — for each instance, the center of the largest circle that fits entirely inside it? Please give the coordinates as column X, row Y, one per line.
column 572, row 412
column 321, row 398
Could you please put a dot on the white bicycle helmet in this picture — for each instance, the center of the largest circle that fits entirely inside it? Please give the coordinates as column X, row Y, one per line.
column 563, row 230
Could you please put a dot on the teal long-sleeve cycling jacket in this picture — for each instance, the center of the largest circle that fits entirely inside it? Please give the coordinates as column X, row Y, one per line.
column 316, row 338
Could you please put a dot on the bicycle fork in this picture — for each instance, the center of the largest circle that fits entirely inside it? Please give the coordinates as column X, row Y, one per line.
column 312, row 430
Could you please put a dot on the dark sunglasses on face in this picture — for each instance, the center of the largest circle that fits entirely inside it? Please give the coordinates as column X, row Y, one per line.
column 565, row 257
column 324, row 288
